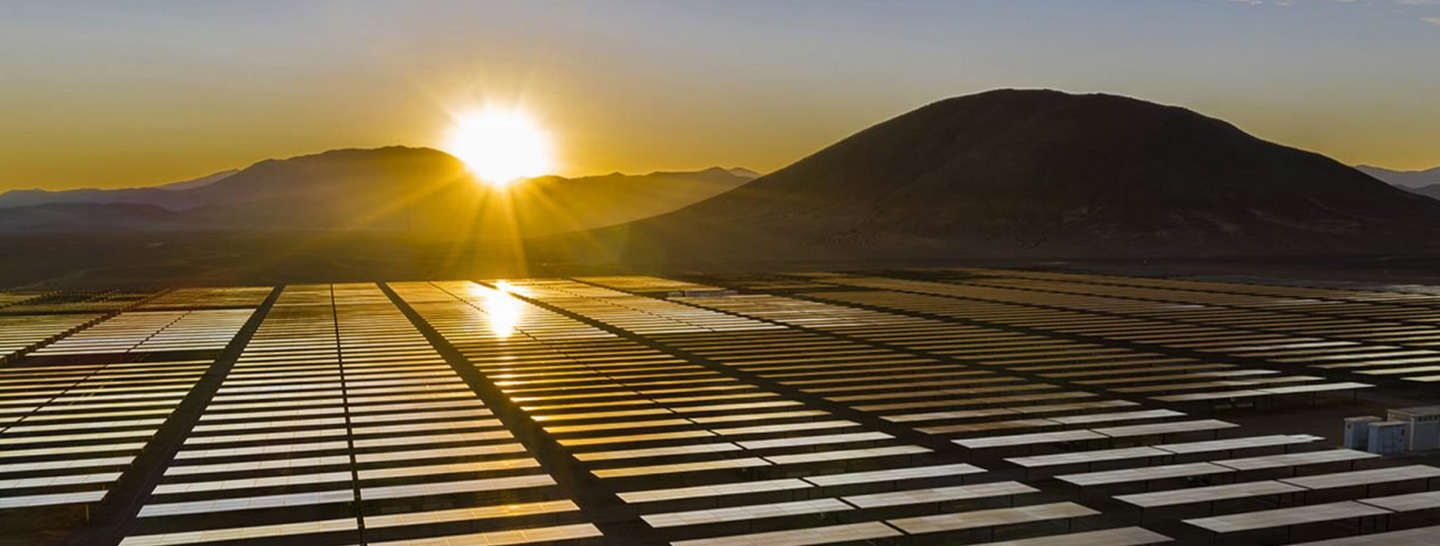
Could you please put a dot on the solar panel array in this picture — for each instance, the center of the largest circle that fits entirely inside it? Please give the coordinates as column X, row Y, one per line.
column 75, row 301
column 20, row 333
column 11, row 298
column 89, row 387
column 154, row 331
column 68, row 430
column 1360, row 349
column 942, row 406
column 340, row 416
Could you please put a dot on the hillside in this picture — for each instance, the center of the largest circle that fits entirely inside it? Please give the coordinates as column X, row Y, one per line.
column 170, row 196
column 410, row 190
column 1043, row 173
column 1432, row 191
column 1426, row 183
column 89, row 217
column 1406, row 179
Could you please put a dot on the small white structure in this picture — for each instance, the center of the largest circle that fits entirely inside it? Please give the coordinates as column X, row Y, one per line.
column 1387, row 438
column 1422, row 427
column 1357, row 431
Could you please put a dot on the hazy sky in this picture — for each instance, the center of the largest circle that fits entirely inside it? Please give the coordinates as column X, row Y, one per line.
column 111, row 93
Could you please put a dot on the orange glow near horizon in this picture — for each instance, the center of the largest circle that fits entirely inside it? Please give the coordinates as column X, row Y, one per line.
column 500, row 145
column 636, row 87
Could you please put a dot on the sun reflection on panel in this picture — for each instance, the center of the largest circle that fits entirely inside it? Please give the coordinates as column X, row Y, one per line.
column 503, row 310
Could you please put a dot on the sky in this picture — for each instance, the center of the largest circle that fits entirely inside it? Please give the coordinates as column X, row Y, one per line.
column 116, row 94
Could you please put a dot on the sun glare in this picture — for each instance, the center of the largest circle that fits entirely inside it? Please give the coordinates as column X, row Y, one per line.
column 500, row 146
column 502, row 310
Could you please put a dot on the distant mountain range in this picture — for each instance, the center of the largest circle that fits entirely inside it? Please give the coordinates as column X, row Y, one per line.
column 1425, row 182
column 1043, row 173
column 172, row 195
column 1001, row 174
column 392, row 189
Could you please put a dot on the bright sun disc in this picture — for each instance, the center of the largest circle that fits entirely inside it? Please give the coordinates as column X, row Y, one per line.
column 500, row 146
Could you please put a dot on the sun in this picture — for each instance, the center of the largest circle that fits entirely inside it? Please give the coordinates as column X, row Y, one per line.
column 500, row 145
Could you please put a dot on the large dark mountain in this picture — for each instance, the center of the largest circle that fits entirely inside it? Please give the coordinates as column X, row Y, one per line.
column 1038, row 174
column 396, row 189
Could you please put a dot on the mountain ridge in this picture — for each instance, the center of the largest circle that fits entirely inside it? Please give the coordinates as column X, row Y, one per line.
column 1424, row 182
column 1410, row 179
column 1041, row 172
column 153, row 195
column 392, row 188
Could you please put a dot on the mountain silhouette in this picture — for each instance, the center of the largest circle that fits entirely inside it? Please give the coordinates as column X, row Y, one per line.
column 169, row 196
column 1043, row 173
column 1408, row 179
column 393, row 189
column 1426, row 182
column 1432, row 191
column 91, row 217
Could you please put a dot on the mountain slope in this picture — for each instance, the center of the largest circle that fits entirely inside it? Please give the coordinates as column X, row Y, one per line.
column 1044, row 173
column 170, row 196
column 1432, row 191
column 90, row 217
column 1406, row 179
column 395, row 189
column 1426, row 183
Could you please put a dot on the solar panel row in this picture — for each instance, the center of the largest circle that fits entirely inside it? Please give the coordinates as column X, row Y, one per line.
column 931, row 406
column 339, row 416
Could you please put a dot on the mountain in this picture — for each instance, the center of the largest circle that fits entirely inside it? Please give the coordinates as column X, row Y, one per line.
column 1040, row 173
column 198, row 182
column 1432, row 191
column 1406, row 179
column 554, row 204
column 90, row 217
column 1426, row 183
column 394, row 189
column 167, row 196
column 743, row 172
